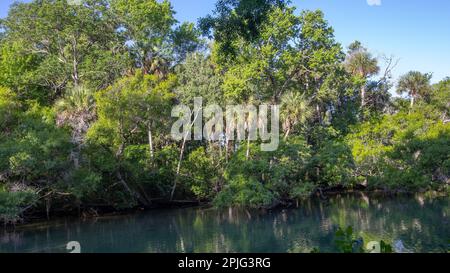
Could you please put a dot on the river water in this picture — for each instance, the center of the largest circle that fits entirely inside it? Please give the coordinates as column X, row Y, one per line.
column 410, row 224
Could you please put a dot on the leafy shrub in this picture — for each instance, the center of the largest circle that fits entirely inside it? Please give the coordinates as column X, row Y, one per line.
column 245, row 192
column 266, row 176
column 405, row 151
column 333, row 165
column 12, row 204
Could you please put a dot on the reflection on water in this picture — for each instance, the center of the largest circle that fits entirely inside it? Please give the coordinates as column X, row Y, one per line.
column 410, row 224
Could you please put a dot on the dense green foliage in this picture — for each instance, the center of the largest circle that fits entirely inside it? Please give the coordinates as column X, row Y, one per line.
column 86, row 93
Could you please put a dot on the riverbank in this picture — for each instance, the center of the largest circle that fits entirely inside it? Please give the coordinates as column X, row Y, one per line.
column 97, row 212
column 102, row 211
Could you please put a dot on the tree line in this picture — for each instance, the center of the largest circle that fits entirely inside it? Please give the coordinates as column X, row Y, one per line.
column 86, row 93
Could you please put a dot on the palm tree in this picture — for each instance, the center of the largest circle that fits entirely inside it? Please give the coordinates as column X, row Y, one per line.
column 415, row 84
column 295, row 110
column 76, row 109
column 361, row 64
column 76, row 106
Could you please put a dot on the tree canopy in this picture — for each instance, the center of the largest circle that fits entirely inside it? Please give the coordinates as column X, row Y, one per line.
column 86, row 94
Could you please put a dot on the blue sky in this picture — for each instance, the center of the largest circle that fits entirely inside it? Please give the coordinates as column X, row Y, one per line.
column 415, row 31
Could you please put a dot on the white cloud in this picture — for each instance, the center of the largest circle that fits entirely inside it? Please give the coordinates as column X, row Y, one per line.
column 374, row 2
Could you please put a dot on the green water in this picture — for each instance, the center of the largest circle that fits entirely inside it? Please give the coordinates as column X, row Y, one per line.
column 412, row 224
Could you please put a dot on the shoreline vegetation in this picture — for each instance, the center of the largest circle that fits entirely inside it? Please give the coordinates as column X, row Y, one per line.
column 103, row 212
column 86, row 93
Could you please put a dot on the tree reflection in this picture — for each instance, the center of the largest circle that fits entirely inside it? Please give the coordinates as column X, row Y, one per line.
column 418, row 224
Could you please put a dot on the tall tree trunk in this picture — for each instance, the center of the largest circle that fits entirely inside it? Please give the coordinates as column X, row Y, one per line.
column 178, row 168
column 181, row 155
column 248, row 146
column 150, row 142
column 413, row 98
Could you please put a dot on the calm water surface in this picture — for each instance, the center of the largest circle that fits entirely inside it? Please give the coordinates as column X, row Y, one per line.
column 412, row 224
